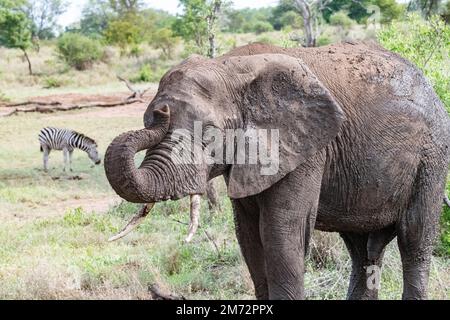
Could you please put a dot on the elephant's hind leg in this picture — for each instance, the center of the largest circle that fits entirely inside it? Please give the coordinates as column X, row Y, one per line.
column 366, row 252
column 247, row 230
column 417, row 231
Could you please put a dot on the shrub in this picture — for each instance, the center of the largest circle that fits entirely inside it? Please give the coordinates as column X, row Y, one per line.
column 135, row 51
column 323, row 40
column 3, row 98
column 79, row 51
column 262, row 26
column 51, row 82
column 291, row 19
column 444, row 245
column 341, row 18
column 165, row 40
column 144, row 75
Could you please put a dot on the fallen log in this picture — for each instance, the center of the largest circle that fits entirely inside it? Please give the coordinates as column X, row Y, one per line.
column 56, row 106
column 39, row 103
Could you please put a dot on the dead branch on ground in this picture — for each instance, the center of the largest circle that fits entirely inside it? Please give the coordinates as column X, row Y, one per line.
column 137, row 94
column 42, row 107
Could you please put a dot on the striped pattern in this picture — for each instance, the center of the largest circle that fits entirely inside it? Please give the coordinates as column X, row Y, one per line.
column 59, row 139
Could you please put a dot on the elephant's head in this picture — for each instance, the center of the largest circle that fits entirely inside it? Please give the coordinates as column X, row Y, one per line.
column 267, row 91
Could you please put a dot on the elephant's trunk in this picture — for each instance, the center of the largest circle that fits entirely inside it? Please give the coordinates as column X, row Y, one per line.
column 136, row 184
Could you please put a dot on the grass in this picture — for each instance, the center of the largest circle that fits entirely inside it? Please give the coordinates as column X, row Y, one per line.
column 53, row 251
column 53, row 236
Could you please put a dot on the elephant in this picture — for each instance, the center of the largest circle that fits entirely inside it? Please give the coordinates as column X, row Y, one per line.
column 363, row 150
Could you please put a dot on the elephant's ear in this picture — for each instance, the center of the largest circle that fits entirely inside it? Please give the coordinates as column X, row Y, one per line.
column 281, row 93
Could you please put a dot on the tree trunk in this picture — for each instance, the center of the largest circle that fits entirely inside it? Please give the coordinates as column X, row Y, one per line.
column 305, row 10
column 29, row 62
column 211, row 19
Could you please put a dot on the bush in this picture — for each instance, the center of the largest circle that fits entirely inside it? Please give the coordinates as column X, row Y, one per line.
column 444, row 245
column 51, row 82
column 79, row 51
column 165, row 40
column 262, row 26
column 145, row 74
column 323, row 40
column 135, row 51
column 341, row 18
column 291, row 19
column 3, row 98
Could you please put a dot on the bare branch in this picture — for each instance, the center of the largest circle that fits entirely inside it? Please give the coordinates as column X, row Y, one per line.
column 127, row 83
column 137, row 94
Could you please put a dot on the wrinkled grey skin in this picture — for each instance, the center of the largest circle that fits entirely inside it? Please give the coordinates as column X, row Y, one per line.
column 363, row 152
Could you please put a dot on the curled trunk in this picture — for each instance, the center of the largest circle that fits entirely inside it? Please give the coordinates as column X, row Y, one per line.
column 131, row 183
column 158, row 177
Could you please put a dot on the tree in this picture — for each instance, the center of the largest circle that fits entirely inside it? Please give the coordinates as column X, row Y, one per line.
column 198, row 23
column 95, row 17
column 192, row 25
column 279, row 11
column 211, row 19
column 358, row 9
column 129, row 25
column 125, row 31
column 306, row 9
column 426, row 7
column 165, row 40
column 15, row 28
column 446, row 12
column 43, row 15
column 124, row 7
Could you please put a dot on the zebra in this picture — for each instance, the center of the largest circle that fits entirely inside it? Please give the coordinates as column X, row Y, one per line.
column 66, row 140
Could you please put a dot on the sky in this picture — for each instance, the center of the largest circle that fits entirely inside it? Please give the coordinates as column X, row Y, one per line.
column 73, row 12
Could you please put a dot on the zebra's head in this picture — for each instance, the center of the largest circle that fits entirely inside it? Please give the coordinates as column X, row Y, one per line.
column 93, row 153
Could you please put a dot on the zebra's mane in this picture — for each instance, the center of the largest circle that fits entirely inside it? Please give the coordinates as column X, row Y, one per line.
column 86, row 138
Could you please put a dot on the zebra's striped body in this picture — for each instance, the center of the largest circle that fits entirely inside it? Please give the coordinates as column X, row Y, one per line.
column 66, row 140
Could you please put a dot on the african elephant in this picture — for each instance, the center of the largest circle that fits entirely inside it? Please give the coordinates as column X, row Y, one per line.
column 363, row 150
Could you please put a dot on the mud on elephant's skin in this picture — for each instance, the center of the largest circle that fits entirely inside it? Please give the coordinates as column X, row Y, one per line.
column 363, row 152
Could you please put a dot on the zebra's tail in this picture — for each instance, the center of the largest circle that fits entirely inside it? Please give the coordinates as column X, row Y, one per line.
column 42, row 150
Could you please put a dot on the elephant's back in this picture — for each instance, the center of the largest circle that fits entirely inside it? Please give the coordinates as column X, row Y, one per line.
column 371, row 82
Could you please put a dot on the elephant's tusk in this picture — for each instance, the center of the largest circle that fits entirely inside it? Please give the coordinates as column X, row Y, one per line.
column 194, row 216
column 134, row 222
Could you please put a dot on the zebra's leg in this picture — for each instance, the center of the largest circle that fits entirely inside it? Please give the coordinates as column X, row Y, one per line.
column 70, row 160
column 66, row 158
column 46, row 151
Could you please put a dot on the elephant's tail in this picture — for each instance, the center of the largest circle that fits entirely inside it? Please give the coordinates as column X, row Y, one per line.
column 446, row 200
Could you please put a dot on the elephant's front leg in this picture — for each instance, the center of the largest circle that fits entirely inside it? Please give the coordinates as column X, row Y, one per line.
column 288, row 211
column 246, row 214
